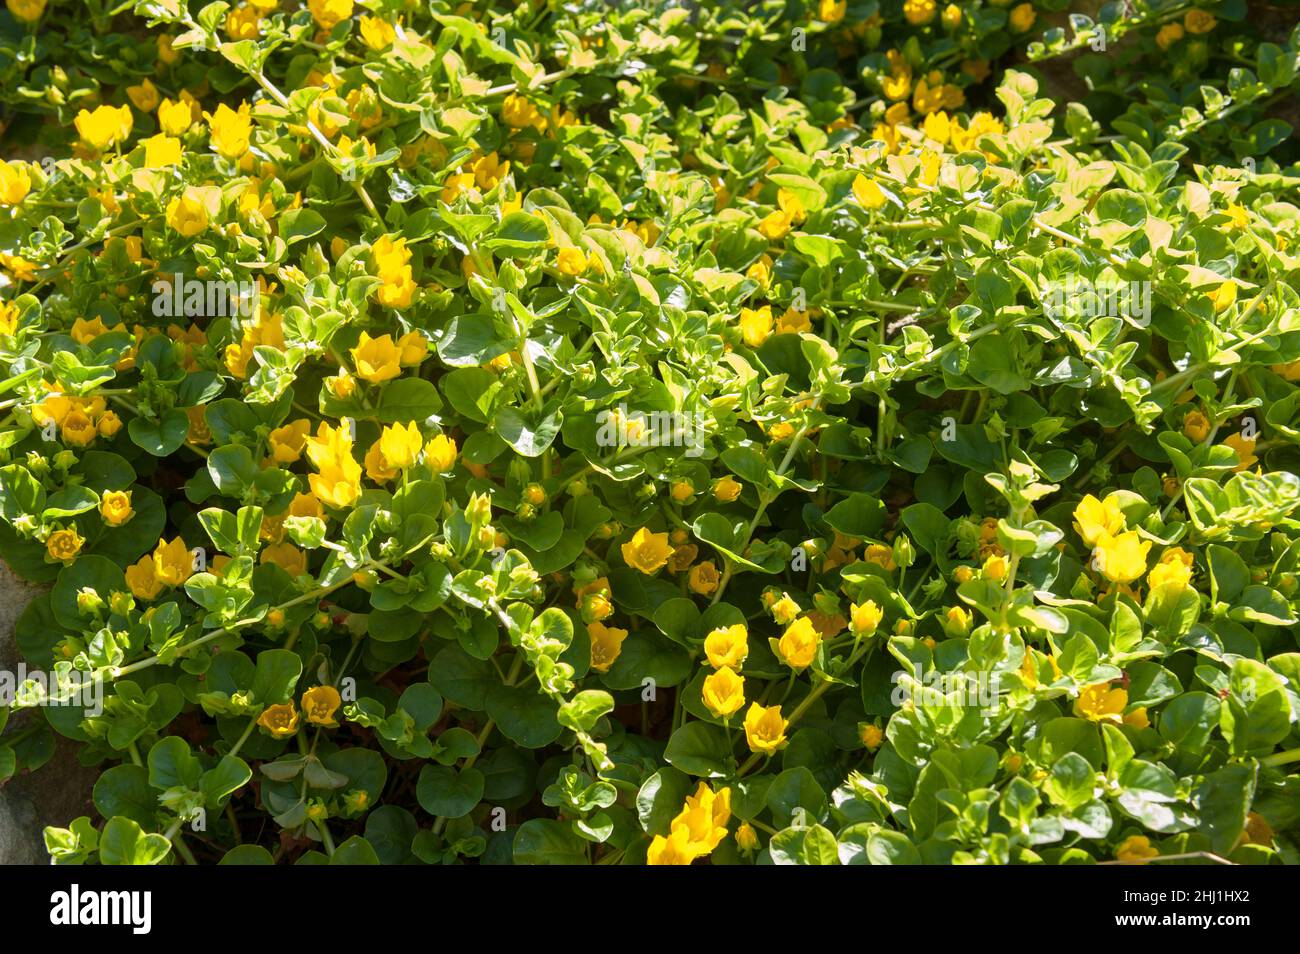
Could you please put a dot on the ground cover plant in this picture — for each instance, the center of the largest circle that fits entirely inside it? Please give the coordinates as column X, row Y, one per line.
column 585, row 433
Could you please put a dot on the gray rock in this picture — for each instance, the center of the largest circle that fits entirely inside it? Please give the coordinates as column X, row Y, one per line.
column 17, row 823
column 58, row 791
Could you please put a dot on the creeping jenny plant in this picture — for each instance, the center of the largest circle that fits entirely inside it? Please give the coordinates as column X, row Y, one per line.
column 586, row 433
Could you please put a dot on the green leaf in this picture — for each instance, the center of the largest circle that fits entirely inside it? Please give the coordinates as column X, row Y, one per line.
column 543, row 841
column 161, row 437
column 445, row 792
column 699, row 748
column 123, row 842
column 298, row 224
column 408, row 399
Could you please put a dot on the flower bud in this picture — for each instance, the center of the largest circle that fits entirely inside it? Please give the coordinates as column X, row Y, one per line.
column 89, row 603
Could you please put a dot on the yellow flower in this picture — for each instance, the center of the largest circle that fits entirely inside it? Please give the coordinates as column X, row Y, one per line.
column 279, row 720
column 703, row 578
column 1244, row 448
column 377, row 359
column 287, row 557
column 571, row 262
column 243, row 23
column 647, row 551
column 109, row 424
column 673, row 849
column 723, row 692
column 392, row 265
column 727, row 646
column 319, row 704
column 441, row 454
column 792, row 205
column 339, row 482
column 398, row 447
column 1169, row 34
column 868, row 193
column 1199, row 21
column 880, row 555
column 1174, row 570
column 401, row 444
column 166, row 52
column 956, row 621
column 105, row 126
column 78, row 429
column 172, row 562
column 797, row 648
column 329, row 13
column 331, row 446
column 897, row 85
column 1095, row 519
column 681, row 491
column 793, row 322
column 1122, row 558
column 1022, row 18
column 919, row 12
column 865, row 617
column 161, row 151
column 191, row 211
column 62, row 546
column 704, row 819
column 489, row 170
column 871, row 736
column 1138, row 718
column 1101, row 703
column 305, row 505
column 453, row 186
column 1239, row 216
column 1196, row 426
column 775, row 224
column 337, row 486
column 726, row 489
column 1137, row 849
column 938, row 127
column 142, row 579
column 287, row 442
column 414, row 349
column 341, row 385
column 831, row 11
column 765, row 729
column 606, row 644
column 26, row 11
column 115, row 507
column 755, row 325
column 951, row 16
column 784, row 610
column 1224, row 296
column 230, row 130
column 746, row 838
column 174, row 118
column 15, row 182
column 377, row 34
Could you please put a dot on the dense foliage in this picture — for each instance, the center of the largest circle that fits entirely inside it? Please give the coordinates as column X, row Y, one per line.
column 622, row 433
